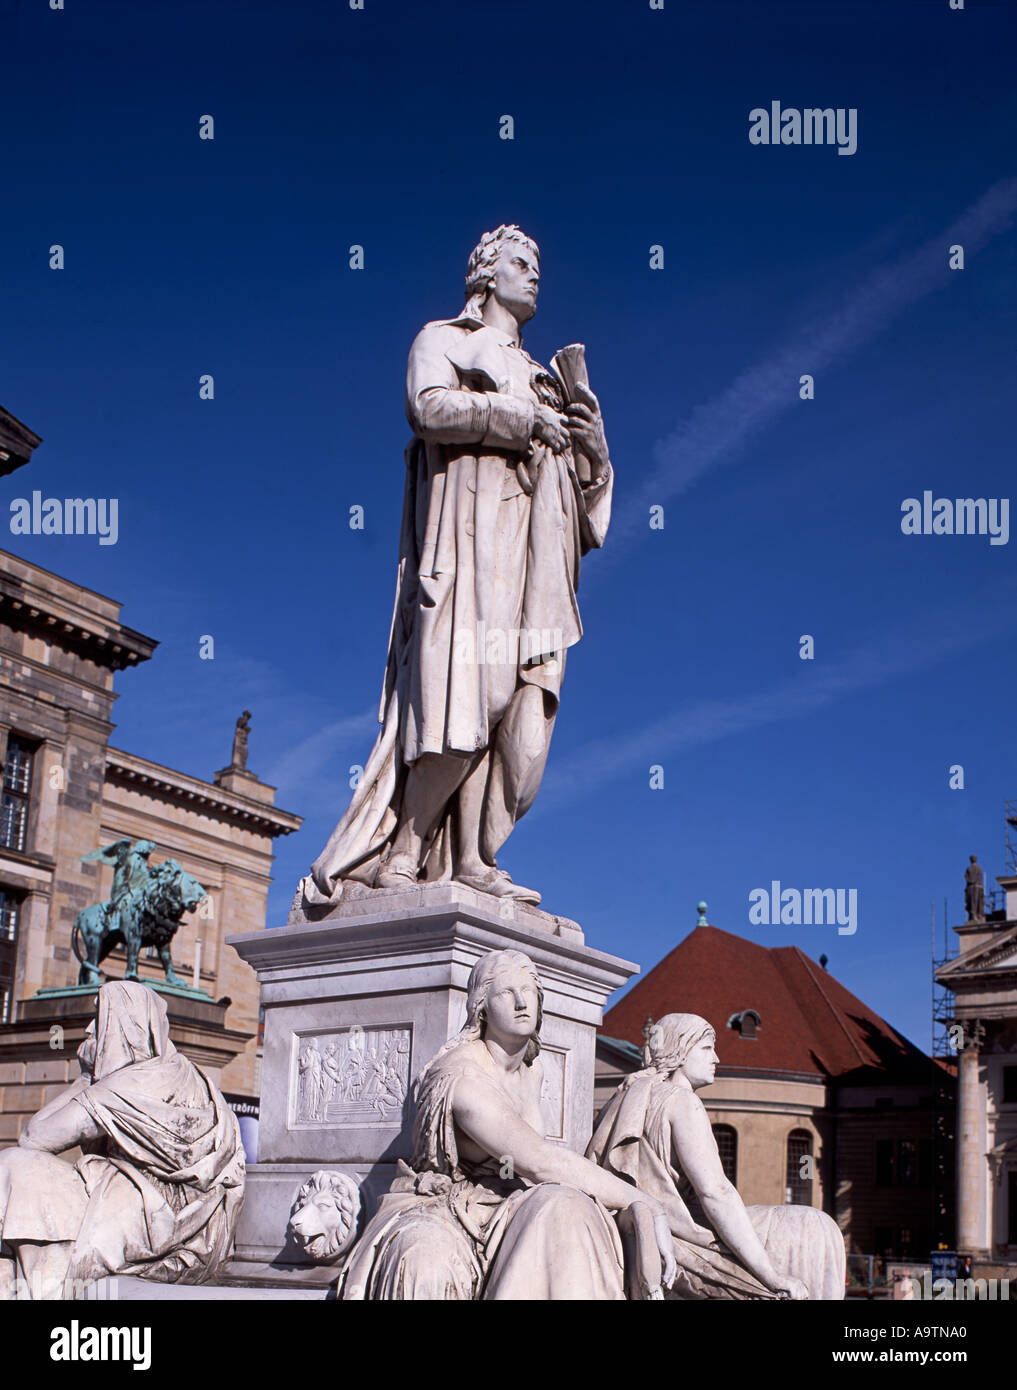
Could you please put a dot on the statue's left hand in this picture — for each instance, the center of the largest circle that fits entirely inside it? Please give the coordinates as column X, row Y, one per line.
column 586, row 426
column 650, row 1265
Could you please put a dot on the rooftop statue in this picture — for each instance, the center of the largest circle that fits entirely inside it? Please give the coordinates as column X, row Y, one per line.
column 655, row 1133
column 159, row 1189
column 508, row 485
column 241, row 733
column 974, row 891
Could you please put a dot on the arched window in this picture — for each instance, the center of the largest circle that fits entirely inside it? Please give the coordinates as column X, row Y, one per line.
column 727, row 1146
column 800, row 1168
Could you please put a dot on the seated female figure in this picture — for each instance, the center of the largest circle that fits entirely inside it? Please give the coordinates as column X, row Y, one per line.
column 655, row 1133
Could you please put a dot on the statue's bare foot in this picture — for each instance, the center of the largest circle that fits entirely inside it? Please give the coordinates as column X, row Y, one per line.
column 499, row 885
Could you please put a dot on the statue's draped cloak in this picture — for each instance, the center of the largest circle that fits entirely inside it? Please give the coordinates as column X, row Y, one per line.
column 174, row 1161
column 493, row 532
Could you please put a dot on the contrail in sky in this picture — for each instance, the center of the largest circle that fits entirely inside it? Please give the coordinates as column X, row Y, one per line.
column 717, row 429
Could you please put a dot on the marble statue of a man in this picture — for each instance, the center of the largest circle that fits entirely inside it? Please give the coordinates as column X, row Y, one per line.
column 159, row 1189
column 508, row 485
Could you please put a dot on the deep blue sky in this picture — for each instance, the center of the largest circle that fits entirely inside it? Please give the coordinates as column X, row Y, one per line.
column 380, row 127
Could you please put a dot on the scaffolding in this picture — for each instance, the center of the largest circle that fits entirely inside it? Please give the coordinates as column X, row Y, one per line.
column 1010, row 815
column 944, row 1051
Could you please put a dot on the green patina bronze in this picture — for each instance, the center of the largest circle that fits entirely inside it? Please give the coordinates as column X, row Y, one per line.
column 143, row 909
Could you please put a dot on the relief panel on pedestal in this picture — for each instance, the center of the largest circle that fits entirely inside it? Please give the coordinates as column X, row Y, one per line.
column 350, row 1077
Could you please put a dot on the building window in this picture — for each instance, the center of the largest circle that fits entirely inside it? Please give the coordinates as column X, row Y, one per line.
column 903, row 1162
column 798, row 1182
column 16, row 792
column 727, row 1146
column 1010, row 1085
column 10, row 906
column 1011, row 1216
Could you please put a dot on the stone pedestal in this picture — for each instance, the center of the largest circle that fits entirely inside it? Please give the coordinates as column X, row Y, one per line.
column 357, row 1002
column 38, row 1053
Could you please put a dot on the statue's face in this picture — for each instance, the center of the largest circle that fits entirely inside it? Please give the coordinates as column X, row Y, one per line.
column 700, row 1066
column 512, row 1004
column 318, row 1226
column 516, row 281
column 86, row 1052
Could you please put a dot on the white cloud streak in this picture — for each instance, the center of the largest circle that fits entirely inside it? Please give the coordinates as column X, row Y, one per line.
column 903, row 652
column 758, row 396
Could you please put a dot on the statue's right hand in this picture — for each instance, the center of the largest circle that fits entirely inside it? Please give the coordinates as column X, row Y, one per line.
column 551, row 428
column 792, row 1288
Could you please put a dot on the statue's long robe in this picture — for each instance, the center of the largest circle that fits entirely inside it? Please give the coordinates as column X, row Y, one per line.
column 492, row 536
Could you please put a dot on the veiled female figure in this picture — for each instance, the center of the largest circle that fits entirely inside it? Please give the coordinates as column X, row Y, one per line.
column 491, row 1209
column 159, row 1189
column 655, row 1133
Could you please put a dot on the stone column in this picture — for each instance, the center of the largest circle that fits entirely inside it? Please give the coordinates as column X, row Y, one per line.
column 971, row 1142
column 356, row 1004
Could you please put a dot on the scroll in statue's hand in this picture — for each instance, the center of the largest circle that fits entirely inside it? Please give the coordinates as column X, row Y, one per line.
column 586, row 427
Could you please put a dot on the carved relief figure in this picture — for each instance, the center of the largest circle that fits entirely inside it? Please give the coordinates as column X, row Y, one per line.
column 655, row 1133
column 348, row 1081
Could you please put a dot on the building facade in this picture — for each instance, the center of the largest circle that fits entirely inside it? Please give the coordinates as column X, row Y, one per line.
column 67, row 792
column 983, row 981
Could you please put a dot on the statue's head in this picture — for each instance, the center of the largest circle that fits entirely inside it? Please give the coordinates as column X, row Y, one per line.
column 131, row 1024
column 506, row 264
column 973, row 858
column 324, row 1216
column 504, row 999
column 682, row 1042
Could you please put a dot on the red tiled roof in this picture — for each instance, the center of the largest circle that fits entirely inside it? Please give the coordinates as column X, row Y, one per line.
column 809, row 1022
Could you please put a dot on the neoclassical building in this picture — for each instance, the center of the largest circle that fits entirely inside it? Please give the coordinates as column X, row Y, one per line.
column 67, row 792
column 817, row 1099
column 983, row 981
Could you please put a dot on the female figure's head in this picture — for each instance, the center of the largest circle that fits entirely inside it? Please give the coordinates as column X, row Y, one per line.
column 505, row 1001
column 504, row 1004
column 682, row 1043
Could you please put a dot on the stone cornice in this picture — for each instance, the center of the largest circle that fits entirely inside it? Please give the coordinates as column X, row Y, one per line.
column 16, row 442
column 57, row 614
column 128, row 770
column 977, row 962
